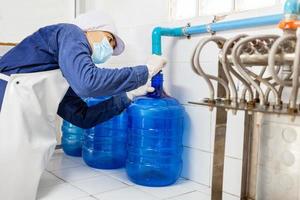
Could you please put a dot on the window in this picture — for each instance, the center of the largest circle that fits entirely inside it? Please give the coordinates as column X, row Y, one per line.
column 254, row 4
column 212, row 7
column 185, row 9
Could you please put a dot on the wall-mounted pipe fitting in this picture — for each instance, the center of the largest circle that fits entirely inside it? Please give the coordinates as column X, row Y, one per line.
column 157, row 34
column 291, row 8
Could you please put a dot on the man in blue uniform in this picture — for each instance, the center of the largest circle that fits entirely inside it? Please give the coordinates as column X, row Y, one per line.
column 48, row 72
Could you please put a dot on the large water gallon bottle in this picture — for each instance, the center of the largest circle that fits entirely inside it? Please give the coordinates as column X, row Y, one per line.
column 104, row 145
column 71, row 139
column 155, row 139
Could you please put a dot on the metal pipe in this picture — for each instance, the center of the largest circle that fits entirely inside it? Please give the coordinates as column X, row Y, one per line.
column 262, row 60
column 295, row 87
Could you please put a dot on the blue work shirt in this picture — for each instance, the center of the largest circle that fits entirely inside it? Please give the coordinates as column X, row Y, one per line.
column 65, row 47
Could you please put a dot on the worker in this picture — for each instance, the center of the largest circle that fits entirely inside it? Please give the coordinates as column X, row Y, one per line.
column 49, row 73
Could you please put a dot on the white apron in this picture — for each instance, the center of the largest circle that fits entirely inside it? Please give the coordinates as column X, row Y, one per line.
column 27, row 130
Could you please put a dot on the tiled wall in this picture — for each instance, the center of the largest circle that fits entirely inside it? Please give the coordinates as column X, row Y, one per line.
column 135, row 20
column 21, row 18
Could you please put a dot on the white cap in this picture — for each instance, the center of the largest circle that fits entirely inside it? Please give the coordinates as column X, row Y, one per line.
column 99, row 21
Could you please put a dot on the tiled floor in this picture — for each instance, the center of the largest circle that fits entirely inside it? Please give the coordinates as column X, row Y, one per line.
column 68, row 178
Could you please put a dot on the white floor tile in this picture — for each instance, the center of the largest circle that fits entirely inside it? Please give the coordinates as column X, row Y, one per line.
column 76, row 173
column 199, row 187
column 193, row 196
column 87, row 198
column 87, row 183
column 232, row 176
column 235, row 135
column 76, row 159
column 182, row 186
column 60, row 192
column 121, row 175
column 230, row 197
column 61, row 163
column 58, row 154
column 99, row 184
column 129, row 193
column 49, row 179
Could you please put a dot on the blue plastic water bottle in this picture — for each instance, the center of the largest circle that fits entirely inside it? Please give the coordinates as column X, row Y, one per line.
column 104, row 145
column 71, row 139
column 155, row 139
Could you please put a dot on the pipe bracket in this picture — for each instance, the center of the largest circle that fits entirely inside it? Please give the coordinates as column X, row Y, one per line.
column 209, row 29
column 184, row 31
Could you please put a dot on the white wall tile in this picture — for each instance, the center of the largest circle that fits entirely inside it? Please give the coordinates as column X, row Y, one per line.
column 181, row 49
column 235, row 135
column 232, row 176
column 131, row 13
column 196, row 165
column 33, row 14
column 182, row 83
column 197, row 128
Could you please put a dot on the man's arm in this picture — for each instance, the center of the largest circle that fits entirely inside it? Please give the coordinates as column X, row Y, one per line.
column 74, row 110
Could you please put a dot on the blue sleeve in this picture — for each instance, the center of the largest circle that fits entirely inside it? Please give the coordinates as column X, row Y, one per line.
column 74, row 58
column 74, row 110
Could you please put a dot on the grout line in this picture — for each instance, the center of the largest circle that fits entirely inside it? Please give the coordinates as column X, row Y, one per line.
column 231, row 194
column 121, row 181
column 197, row 149
column 233, row 157
column 116, row 189
column 91, row 196
column 58, row 177
column 180, row 195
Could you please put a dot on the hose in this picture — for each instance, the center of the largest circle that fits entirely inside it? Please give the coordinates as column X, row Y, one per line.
column 235, row 58
column 227, row 69
column 198, row 69
column 271, row 59
column 295, row 80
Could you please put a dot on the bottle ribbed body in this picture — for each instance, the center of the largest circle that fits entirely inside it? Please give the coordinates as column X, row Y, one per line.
column 71, row 139
column 104, row 145
column 155, row 141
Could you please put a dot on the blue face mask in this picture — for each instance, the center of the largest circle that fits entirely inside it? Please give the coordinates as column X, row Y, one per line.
column 102, row 51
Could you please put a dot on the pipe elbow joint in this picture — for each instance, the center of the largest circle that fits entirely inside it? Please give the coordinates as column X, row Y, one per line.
column 156, row 40
column 291, row 7
column 157, row 32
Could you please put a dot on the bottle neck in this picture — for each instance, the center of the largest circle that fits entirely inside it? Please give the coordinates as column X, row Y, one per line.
column 157, row 83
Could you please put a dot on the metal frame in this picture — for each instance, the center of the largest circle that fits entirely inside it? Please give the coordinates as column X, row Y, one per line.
column 219, row 144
